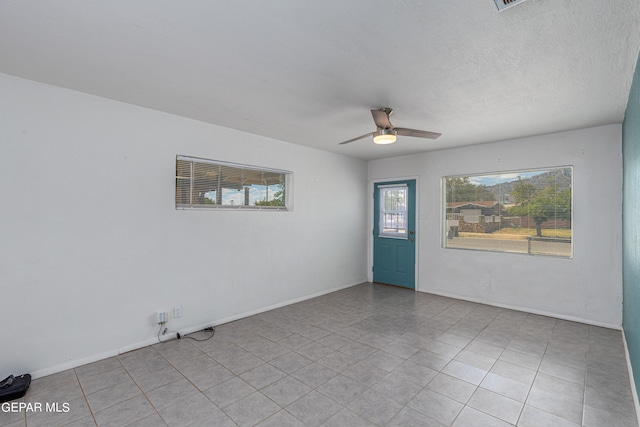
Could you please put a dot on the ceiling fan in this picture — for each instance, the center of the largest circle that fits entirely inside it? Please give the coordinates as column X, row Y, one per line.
column 386, row 133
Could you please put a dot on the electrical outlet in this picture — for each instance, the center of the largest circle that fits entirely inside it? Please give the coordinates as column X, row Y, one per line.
column 486, row 287
column 161, row 317
column 177, row 311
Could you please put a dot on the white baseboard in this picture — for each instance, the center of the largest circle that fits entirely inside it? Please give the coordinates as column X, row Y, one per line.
column 634, row 389
column 524, row 309
column 72, row 364
column 150, row 341
column 269, row 308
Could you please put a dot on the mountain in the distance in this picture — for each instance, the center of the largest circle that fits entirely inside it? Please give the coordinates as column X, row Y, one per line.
column 561, row 177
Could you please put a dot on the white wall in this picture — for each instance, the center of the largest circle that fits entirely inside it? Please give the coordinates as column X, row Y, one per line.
column 586, row 288
column 91, row 244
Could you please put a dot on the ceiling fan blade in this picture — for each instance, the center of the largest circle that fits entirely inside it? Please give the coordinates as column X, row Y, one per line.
column 381, row 117
column 417, row 133
column 357, row 138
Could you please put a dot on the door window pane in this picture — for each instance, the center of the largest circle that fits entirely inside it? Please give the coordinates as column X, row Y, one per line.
column 393, row 212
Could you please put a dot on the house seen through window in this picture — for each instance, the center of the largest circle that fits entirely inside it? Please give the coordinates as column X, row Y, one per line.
column 519, row 211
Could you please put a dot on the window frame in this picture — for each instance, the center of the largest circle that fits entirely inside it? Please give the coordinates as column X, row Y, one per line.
column 190, row 205
column 444, row 223
column 382, row 212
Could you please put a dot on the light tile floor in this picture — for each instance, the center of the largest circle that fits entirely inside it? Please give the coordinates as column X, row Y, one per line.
column 368, row 355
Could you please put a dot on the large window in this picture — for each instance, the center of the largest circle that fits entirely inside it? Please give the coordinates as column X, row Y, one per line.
column 527, row 211
column 207, row 184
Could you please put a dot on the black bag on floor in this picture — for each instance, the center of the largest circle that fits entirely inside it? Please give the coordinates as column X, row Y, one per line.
column 14, row 387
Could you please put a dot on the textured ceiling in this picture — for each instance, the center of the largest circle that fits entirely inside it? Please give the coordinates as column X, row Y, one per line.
column 308, row 72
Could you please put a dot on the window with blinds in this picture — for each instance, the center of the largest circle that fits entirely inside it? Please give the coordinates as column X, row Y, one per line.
column 393, row 211
column 526, row 211
column 211, row 184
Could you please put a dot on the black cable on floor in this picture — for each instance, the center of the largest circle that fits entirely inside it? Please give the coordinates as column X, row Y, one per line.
column 212, row 330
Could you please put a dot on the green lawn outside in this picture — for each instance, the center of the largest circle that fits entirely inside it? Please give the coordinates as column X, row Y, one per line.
column 519, row 233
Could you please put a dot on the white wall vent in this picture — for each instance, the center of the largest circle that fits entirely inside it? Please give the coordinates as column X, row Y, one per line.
column 505, row 4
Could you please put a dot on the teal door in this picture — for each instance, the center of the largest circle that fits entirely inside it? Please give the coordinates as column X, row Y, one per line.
column 394, row 250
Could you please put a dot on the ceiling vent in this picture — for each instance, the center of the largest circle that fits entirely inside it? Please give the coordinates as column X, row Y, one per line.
column 505, row 4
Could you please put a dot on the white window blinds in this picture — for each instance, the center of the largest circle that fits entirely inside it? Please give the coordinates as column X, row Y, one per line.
column 211, row 184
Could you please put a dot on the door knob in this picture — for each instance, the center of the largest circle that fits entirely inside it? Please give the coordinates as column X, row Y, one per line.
column 411, row 231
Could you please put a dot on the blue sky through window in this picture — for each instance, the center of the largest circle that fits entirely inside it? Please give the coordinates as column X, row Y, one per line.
column 492, row 179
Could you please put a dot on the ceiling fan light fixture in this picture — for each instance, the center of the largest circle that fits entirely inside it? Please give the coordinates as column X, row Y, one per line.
column 385, row 133
column 385, row 136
